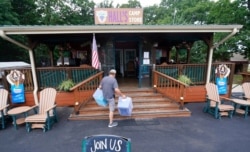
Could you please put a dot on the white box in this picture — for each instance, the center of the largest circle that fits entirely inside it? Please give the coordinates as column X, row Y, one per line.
column 125, row 106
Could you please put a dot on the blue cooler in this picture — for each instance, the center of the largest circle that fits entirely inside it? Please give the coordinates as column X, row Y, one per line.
column 125, row 106
column 98, row 96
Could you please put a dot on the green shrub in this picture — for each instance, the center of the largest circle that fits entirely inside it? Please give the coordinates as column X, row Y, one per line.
column 66, row 85
column 185, row 79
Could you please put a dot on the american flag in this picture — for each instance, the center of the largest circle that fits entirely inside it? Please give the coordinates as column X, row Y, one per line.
column 95, row 59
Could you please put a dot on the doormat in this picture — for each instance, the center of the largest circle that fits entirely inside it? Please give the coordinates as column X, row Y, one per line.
column 138, row 122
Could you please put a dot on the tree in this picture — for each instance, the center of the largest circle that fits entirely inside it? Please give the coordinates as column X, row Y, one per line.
column 151, row 15
column 61, row 12
column 7, row 15
column 235, row 12
column 25, row 17
column 8, row 51
column 131, row 4
column 106, row 4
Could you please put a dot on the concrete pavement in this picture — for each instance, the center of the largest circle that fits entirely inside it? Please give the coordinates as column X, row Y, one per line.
column 198, row 133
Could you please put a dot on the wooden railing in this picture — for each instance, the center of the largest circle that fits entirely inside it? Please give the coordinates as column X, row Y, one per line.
column 84, row 90
column 196, row 72
column 169, row 87
column 53, row 76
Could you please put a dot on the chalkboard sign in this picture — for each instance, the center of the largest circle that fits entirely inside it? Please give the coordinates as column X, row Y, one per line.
column 106, row 143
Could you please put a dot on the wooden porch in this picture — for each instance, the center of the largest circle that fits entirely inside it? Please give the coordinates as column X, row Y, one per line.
column 160, row 94
column 146, row 104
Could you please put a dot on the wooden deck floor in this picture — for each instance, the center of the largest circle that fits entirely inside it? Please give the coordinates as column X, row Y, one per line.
column 133, row 82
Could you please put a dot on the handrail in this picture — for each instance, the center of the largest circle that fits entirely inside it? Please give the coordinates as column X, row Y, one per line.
column 86, row 80
column 164, row 75
column 170, row 87
column 84, row 90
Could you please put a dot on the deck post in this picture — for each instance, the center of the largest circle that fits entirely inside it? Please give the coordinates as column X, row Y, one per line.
column 209, row 65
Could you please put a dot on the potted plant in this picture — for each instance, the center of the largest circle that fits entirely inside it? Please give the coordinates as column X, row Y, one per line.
column 66, row 85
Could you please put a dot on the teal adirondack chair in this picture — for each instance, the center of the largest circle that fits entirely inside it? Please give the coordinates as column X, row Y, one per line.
column 3, row 105
column 46, row 115
column 214, row 105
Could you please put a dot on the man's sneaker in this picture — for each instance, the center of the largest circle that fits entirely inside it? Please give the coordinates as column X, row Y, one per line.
column 113, row 124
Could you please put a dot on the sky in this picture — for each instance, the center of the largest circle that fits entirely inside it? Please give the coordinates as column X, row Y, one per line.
column 144, row 3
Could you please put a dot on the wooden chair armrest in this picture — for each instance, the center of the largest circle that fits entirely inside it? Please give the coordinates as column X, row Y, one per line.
column 225, row 98
column 213, row 100
column 4, row 107
column 247, row 98
column 48, row 109
column 33, row 107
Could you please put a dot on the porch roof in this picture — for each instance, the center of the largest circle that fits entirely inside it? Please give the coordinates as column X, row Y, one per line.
column 164, row 34
column 78, row 29
column 81, row 29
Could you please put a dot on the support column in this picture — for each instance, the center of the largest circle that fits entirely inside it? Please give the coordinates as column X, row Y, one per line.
column 209, row 65
column 140, row 63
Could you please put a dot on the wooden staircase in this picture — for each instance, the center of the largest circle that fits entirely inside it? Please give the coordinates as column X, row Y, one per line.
column 146, row 104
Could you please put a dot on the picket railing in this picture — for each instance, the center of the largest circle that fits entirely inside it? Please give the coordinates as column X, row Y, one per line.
column 84, row 90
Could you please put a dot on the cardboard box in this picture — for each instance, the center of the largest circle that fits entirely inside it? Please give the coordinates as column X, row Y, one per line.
column 125, row 106
column 100, row 100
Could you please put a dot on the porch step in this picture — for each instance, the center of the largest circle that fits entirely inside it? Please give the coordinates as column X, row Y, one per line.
column 135, row 115
column 146, row 104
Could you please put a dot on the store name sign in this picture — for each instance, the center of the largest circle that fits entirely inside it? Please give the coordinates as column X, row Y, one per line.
column 118, row 16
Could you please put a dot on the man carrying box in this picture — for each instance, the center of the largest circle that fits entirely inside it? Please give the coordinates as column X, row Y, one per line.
column 109, row 87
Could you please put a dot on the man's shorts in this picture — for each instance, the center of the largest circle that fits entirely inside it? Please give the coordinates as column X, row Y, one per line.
column 111, row 104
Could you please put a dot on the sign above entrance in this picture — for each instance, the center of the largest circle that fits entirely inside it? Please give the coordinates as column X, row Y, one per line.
column 118, row 16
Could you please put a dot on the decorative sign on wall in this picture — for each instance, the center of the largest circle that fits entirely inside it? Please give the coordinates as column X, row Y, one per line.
column 118, row 16
column 106, row 143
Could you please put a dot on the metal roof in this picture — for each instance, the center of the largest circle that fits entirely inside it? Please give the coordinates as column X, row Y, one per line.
column 13, row 65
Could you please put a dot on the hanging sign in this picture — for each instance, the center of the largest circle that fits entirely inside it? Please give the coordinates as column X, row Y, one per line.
column 106, row 143
column 118, row 16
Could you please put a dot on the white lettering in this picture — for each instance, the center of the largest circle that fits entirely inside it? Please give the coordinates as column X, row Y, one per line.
column 134, row 13
column 110, row 144
column 118, row 148
column 106, row 144
column 99, row 145
column 135, row 20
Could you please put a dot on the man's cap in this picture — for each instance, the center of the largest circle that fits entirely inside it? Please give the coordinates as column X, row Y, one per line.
column 112, row 71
